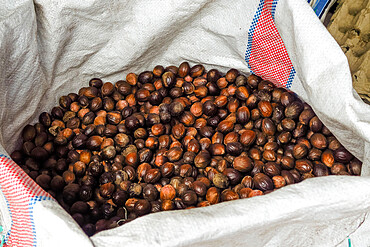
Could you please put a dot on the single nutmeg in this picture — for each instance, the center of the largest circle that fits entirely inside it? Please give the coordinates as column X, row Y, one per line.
column 202, row 159
column 199, row 188
column 254, row 193
column 152, row 176
column 142, row 207
column 233, row 175
column 315, row 124
column 294, row 109
column 265, row 108
column 248, row 137
column 278, row 181
column 319, row 141
column 271, row 169
column 174, row 154
column 263, row 182
column 303, row 166
column 189, row 198
column 234, row 148
column 242, row 92
column 342, row 155
column 120, row 197
column 327, row 158
column 196, row 70
column 268, row 127
column 220, row 181
column 243, row 115
column 300, row 151
column 288, row 177
column 225, row 126
column 106, row 190
column 354, row 167
column 168, row 192
column 209, row 108
column 229, row 195
column 243, row 163
column 213, row 195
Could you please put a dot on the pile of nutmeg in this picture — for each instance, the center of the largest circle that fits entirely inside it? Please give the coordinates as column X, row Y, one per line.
column 175, row 138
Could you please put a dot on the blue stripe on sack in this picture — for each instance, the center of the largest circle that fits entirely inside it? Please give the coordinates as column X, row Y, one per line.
column 31, row 204
column 320, row 6
column 273, row 9
column 291, row 77
column 251, row 32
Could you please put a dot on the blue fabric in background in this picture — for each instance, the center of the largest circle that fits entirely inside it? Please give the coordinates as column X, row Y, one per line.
column 319, row 6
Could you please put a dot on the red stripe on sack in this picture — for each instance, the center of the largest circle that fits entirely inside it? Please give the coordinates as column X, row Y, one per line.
column 269, row 56
column 18, row 189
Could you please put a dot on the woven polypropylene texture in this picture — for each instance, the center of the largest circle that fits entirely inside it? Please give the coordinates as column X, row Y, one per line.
column 266, row 54
column 21, row 193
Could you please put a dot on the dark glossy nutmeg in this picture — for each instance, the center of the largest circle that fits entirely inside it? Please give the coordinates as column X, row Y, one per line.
column 287, row 162
column 196, row 70
column 233, row 175
column 209, row 108
column 234, row 148
column 96, row 82
column 268, row 127
column 132, row 123
column 342, row 155
column 213, row 75
column 242, row 92
column 184, row 69
column 65, row 102
column 306, row 116
column 152, row 176
column 243, row 115
column 145, row 77
column 315, row 124
column 123, row 88
column 271, row 169
column 303, row 166
column 169, row 79
column 299, row 151
column 288, row 177
column 120, row 197
column 142, row 207
column 263, row 182
column 202, row 159
column 189, row 198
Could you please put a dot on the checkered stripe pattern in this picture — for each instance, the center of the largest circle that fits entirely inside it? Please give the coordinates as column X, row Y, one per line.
column 21, row 193
column 266, row 54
